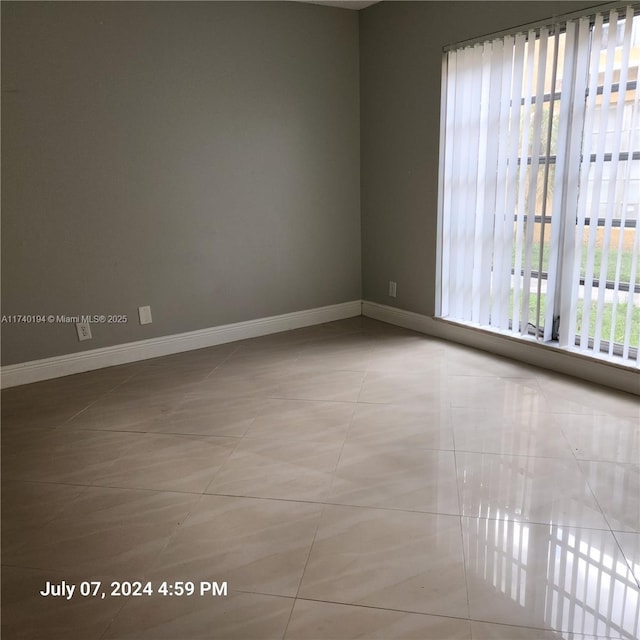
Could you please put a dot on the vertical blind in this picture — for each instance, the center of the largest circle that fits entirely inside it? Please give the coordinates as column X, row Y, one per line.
column 541, row 184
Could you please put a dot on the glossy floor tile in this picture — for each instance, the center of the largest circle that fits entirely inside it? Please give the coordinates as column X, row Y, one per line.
column 410, row 425
column 521, row 433
column 275, row 468
column 506, row 394
column 313, row 619
column 396, row 478
column 388, row 559
column 616, row 486
column 347, row 480
column 259, row 546
column 26, row 615
column 602, row 437
column 543, row 490
column 336, row 385
column 305, row 420
column 630, row 545
column 549, row 577
column 198, row 414
column 430, row 388
column 569, row 395
column 488, row 631
column 125, row 410
column 119, row 532
column 251, row 616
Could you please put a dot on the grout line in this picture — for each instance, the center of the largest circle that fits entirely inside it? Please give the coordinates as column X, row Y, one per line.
column 624, row 555
column 224, row 462
column 304, row 568
column 308, row 501
column 467, row 619
column 585, row 478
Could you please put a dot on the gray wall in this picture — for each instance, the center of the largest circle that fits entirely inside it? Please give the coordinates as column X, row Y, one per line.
column 202, row 158
column 400, row 74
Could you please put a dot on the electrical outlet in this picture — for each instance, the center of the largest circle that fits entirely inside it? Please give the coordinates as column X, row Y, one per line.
column 84, row 331
column 392, row 289
column 144, row 313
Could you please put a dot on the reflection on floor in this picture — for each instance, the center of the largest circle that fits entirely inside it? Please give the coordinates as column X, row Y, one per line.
column 350, row 480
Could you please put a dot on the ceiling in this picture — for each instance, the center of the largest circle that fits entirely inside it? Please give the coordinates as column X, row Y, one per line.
column 343, row 4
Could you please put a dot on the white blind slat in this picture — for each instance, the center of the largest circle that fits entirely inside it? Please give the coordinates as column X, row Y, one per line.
column 488, row 210
column 585, row 172
column 458, row 186
column 500, row 243
column 612, row 200
column 447, row 191
column 563, row 107
column 542, row 48
column 594, row 189
column 602, row 148
column 465, row 212
column 633, row 279
column 473, row 97
column 547, row 131
column 512, row 181
column 572, row 244
column 634, row 136
column 520, row 292
column 482, row 252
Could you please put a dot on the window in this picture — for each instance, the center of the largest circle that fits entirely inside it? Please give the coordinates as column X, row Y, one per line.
column 540, row 184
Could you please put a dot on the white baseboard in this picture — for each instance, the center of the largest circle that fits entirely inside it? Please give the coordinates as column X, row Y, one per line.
column 571, row 363
column 56, row 367
column 398, row 317
column 567, row 362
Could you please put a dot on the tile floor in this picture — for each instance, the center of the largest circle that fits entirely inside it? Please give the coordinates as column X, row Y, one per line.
column 350, row 480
